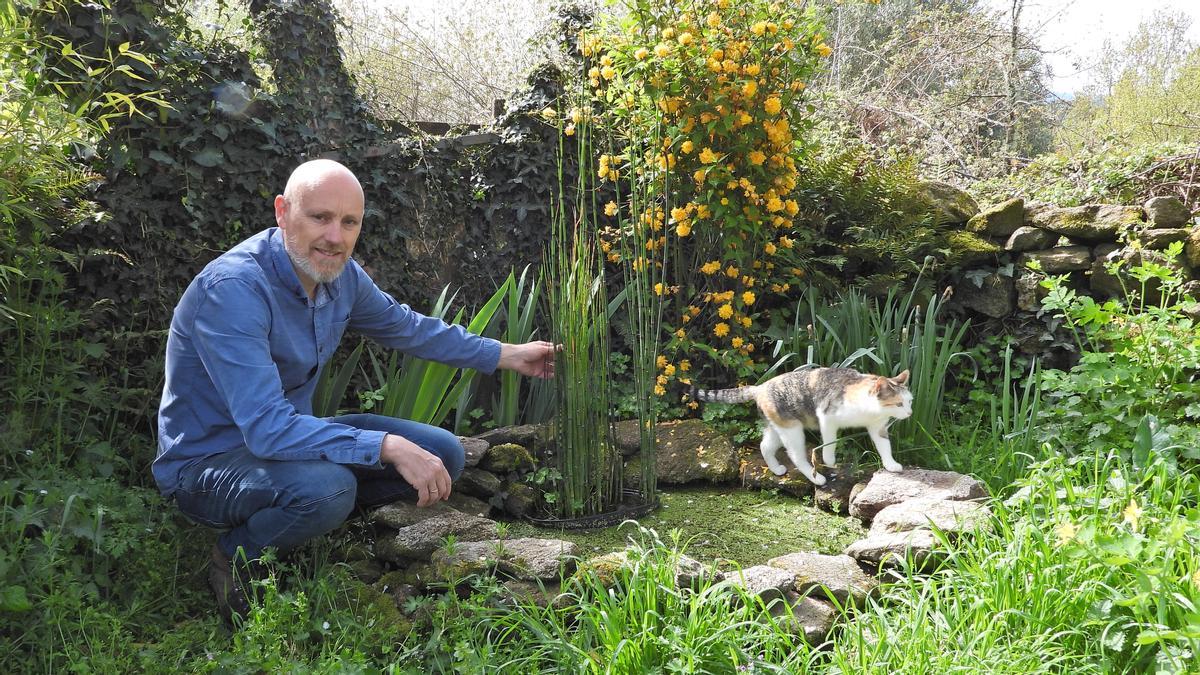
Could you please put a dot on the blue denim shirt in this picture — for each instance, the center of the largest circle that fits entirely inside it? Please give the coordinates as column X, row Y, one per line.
column 246, row 345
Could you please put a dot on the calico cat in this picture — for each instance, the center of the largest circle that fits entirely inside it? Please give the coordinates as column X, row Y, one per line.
column 824, row 399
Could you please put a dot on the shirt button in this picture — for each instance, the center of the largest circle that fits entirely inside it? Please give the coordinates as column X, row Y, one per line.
column 324, row 456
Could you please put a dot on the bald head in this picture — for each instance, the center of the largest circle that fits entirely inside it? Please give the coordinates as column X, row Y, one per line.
column 320, row 213
column 317, row 172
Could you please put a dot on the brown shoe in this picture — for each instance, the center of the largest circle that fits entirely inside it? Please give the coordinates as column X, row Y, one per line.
column 232, row 584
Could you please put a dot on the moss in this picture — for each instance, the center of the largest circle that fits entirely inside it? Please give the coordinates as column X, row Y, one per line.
column 967, row 248
column 377, row 606
column 747, row 526
column 508, row 457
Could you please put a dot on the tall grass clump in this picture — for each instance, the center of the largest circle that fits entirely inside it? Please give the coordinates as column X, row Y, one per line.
column 577, row 307
column 895, row 333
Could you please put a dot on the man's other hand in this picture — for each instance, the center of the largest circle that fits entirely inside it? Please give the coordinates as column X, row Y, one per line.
column 423, row 470
column 535, row 359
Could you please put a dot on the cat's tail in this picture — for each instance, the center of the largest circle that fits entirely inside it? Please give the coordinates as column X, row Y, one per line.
column 738, row 395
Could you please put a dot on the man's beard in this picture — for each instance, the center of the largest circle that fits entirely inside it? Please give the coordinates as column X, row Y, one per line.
column 306, row 266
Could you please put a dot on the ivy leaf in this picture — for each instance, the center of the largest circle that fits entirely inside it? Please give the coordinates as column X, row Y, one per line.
column 208, row 157
column 161, row 157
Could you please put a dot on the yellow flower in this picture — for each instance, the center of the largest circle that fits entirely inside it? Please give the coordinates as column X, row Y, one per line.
column 721, row 329
column 685, row 39
column 786, row 242
column 659, row 390
column 710, row 267
column 751, row 69
column 1132, row 513
column 661, row 361
column 641, row 54
column 759, row 28
column 757, row 157
column 746, row 321
column 662, row 50
column 608, row 72
column 713, row 20
column 736, row 342
column 685, row 365
column 610, row 209
column 772, row 105
column 774, row 204
column 708, row 156
column 770, row 248
column 748, row 297
column 668, row 33
column 683, row 229
column 680, row 334
column 750, row 88
column 824, row 49
column 669, row 370
column 725, row 311
column 658, row 289
column 569, row 130
column 686, row 147
column 693, row 405
column 732, row 273
column 549, row 113
column 1066, row 532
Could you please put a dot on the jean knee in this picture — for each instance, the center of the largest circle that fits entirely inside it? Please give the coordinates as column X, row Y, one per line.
column 328, row 496
column 450, row 450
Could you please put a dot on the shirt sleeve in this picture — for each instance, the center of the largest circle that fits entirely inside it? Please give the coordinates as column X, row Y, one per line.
column 231, row 335
column 377, row 315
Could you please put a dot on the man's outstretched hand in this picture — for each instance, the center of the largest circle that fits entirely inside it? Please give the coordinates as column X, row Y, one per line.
column 535, row 359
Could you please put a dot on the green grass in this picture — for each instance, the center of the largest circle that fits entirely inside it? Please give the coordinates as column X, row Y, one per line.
column 722, row 523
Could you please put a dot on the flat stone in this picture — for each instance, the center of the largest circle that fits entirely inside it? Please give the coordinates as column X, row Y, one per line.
column 478, row 483
column 893, row 548
column 418, row 541
column 999, row 220
column 460, row 501
column 886, row 488
column 528, row 435
column 1093, row 222
column 1160, row 238
column 689, row 450
column 754, row 474
column 1029, row 238
column 1191, row 249
column 1059, row 259
column 1167, row 212
column 839, row 488
column 400, row 515
column 995, row 295
column 606, row 569
column 475, row 449
column 768, row 583
column 948, row 203
column 528, row 559
column 949, row 516
column 838, row 575
column 805, row 617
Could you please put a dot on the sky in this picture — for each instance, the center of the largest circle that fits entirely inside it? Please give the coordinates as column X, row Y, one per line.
column 1074, row 31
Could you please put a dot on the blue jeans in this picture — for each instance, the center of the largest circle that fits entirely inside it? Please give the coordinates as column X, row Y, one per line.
column 263, row 502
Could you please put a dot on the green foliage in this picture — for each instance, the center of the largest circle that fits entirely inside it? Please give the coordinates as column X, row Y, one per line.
column 1136, row 358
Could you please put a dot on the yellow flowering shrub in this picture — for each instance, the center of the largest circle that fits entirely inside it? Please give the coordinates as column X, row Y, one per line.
column 704, row 100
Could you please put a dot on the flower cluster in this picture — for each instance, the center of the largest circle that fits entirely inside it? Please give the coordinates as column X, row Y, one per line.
column 706, row 99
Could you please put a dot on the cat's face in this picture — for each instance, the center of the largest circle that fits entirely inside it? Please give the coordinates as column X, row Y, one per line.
column 894, row 396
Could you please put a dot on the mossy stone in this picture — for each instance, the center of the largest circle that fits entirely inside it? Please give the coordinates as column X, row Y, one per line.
column 508, row 457
column 1000, row 220
column 968, row 248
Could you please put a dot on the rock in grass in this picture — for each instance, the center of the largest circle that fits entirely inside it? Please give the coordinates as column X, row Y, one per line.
column 528, row 559
column 804, row 617
column 838, row 575
column 418, row 541
column 608, row 568
column 893, row 548
column 1028, row 238
column 951, row 517
column 839, row 488
column 886, row 488
column 768, row 583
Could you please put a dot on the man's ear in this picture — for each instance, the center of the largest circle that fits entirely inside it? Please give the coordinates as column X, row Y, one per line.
column 281, row 211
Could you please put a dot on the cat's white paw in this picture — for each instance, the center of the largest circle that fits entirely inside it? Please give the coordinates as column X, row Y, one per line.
column 818, row 479
column 778, row 470
column 894, row 467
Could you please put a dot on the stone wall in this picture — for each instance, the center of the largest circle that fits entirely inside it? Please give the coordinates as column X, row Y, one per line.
column 1077, row 241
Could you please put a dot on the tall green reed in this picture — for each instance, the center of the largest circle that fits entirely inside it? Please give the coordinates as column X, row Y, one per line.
column 520, row 310
column 577, row 308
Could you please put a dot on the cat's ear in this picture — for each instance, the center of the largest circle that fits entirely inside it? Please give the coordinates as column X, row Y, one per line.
column 901, row 379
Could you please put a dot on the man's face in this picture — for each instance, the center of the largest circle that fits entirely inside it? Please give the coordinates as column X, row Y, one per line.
column 321, row 223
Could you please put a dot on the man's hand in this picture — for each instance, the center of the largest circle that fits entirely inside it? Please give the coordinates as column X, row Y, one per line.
column 423, row 470
column 535, row 359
